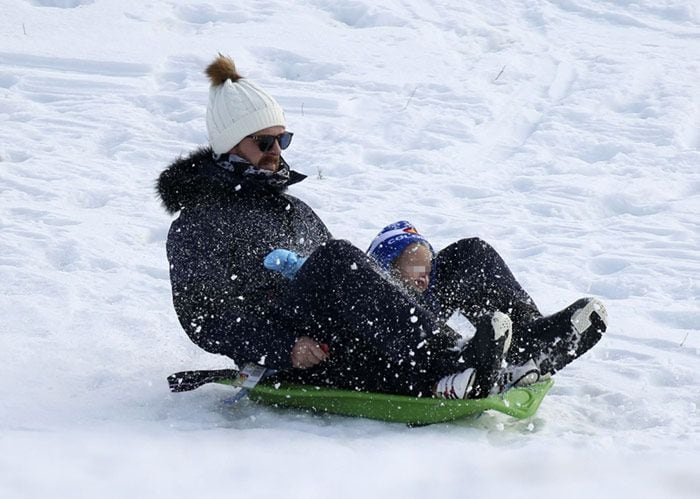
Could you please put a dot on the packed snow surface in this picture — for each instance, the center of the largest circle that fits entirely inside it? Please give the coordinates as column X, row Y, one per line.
column 564, row 132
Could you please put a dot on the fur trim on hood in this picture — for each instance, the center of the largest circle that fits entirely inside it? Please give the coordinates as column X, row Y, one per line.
column 198, row 179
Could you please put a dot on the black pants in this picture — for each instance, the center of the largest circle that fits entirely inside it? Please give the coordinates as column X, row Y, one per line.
column 471, row 276
column 383, row 338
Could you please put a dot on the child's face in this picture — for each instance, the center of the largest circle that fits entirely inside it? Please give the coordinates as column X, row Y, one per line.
column 414, row 266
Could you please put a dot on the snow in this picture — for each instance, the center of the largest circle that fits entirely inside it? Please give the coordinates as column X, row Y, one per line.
column 564, row 132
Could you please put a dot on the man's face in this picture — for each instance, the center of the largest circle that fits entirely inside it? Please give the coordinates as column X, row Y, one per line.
column 268, row 160
column 414, row 266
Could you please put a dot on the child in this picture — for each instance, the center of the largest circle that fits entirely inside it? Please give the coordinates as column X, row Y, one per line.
column 541, row 345
column 407, row 257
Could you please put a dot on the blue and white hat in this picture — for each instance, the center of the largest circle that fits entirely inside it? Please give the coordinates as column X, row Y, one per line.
column 393, row 240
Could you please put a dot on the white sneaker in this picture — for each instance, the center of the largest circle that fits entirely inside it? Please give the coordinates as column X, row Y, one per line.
column 522, row 375
column 456, row 386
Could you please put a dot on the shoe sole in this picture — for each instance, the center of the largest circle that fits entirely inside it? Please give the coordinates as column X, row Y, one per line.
column 583, row 319
column 502, row 326
column 530, row 378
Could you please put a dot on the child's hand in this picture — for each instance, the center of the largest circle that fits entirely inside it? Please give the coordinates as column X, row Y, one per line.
column 284, row 261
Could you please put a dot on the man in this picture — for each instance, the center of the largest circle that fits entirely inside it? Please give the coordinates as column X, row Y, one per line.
column 233, row 209
column 339, row 321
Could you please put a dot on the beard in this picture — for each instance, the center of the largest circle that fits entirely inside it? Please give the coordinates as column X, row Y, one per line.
column 270, row 162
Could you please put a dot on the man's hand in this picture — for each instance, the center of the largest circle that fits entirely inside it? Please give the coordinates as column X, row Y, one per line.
column 307, row 352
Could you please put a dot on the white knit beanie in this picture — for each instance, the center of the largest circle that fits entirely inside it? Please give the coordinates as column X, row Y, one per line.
column 237, row 107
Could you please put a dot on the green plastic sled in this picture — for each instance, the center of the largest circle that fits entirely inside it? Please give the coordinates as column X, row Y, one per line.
column 519, row 403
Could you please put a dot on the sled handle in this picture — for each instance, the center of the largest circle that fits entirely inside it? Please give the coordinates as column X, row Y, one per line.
column 186, row 381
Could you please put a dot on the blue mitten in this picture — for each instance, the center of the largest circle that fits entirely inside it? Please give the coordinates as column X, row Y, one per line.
column 284, row 261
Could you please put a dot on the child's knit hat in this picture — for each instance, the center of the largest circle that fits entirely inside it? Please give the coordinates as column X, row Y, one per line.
column 393, row 240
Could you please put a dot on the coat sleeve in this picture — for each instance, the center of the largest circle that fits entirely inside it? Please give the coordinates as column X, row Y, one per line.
column 323, row 235
column 216, row 293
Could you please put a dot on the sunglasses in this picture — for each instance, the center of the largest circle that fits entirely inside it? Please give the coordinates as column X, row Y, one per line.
column 265, row 142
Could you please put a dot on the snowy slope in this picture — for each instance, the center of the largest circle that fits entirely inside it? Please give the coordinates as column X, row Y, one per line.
column 564, row 132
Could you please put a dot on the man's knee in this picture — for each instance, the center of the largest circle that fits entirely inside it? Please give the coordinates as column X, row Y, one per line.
column 472, row 246
column 339, row 250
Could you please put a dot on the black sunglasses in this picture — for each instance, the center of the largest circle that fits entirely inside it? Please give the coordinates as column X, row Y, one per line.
column 265, row 142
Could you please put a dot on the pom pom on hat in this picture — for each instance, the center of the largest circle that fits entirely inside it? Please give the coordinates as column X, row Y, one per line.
column 222, row 69
column 392, row 240
column 237, row 107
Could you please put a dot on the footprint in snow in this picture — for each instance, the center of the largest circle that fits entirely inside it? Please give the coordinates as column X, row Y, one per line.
column 61, row 4
column 205, row 13
column 291, row 66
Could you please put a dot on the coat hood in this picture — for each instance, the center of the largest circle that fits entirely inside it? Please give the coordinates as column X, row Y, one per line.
column 197, row 179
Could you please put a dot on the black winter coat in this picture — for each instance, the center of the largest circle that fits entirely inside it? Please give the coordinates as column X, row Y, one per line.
column 224, row 297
